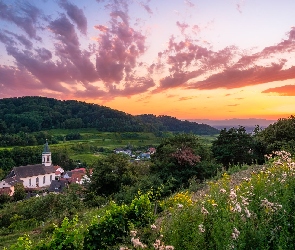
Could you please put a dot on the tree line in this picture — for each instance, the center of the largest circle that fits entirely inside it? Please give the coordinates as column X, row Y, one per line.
column 33, row 114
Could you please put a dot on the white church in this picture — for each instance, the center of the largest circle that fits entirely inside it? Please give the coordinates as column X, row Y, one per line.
column 33, row 177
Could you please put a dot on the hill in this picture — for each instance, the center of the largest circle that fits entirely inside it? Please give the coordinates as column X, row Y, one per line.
column 31, row 114
column 249, row 124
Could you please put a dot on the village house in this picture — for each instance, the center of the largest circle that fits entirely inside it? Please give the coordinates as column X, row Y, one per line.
column 33, row 177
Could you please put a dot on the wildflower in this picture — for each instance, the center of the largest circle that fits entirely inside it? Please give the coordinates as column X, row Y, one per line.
column 201, row 228
column 136, row 243
column 179, row 205
column 237, row 207
column 248, row 214
column 270, row 206
column 222, row 191
column 245, row 201
column 133, row 233
column 169, row 248
column 153, row 227
column 235, row 234
column 157, row 244
column 204, row 211
column 232, row 195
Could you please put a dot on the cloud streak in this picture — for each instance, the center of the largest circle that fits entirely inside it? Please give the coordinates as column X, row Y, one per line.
column 287, row 90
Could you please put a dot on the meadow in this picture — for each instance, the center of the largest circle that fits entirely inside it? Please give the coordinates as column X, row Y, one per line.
column 246, row 207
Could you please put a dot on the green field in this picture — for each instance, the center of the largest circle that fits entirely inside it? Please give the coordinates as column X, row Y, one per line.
column 93, row 144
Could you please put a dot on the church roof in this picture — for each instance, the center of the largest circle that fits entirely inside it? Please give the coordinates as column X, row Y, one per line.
column 46, row 148
column 31, row 170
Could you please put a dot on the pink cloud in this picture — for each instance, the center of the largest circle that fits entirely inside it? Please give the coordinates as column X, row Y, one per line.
column 186, row 98
column 234, row 78
column 287, row 90
column 119, row 48
column 230, row 68
column 25, row 18
column 182, row 26
column 146, row 7
column 76, row 15
column 189, row 3
column 101, row 28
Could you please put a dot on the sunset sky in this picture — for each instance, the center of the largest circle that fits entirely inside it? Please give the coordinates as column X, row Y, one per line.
column 191, row 59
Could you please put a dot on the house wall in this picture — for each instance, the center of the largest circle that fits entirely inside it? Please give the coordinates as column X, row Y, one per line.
column 26, row 181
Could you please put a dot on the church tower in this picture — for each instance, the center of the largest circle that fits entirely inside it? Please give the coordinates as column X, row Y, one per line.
column 46, row 155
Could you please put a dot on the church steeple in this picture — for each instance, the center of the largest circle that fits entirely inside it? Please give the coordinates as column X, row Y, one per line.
column 46, row 155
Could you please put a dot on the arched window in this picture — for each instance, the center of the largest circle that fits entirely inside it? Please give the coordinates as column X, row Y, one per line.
column 50, row 178
column 37, row 182
column 30, row 182
column 44, row 179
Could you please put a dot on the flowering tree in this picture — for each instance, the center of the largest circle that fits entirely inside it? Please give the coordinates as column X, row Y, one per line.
column 180, row 158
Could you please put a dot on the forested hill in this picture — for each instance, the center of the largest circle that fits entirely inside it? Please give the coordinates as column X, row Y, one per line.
column 31, row 114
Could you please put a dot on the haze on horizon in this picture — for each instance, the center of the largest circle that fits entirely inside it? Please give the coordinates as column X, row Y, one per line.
column 184, row 58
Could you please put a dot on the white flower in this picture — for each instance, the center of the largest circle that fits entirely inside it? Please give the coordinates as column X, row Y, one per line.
column 237, row 207
column 179, row 205
column 201, row 228
column 248, row 214
column 204, row 211
column 235, row 234
column 232, row 195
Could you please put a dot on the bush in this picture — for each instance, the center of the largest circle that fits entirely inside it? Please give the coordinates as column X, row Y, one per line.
column 114, row 227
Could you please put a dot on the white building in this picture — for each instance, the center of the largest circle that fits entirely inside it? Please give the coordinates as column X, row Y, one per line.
column 35, row 176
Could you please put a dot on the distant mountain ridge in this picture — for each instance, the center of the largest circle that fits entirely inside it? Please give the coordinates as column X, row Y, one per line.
column 32, row 114
column 249, row 123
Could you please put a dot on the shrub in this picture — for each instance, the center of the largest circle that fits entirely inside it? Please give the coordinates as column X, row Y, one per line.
column 114, row 227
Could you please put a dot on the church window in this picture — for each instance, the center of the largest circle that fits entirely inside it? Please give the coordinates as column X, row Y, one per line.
column 50, row 178
column 37, row 182
column 30, row 182
column 44, row 179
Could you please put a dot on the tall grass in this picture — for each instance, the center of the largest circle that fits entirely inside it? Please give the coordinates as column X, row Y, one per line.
column 255, row 214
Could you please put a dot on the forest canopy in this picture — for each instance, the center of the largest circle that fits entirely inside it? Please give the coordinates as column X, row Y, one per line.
column 33, row 114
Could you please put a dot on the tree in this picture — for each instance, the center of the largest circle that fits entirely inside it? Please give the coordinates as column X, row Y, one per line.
column 280, row 135
column 181, row 157
column 4, row 198
column 110, row 174
column 233, row 146
column 19, row 192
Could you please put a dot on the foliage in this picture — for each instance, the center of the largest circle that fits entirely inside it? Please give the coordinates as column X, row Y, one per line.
column 41, row 208
column 114, row 227
column 280, row 135
column 31, row 114
column 19, row 192
column 23, row 243
column 67, row 236
column 179, row 158
column 168, row 123
column 255, row 214
column 109, row 174
column 4, row 198
column 233, row 146
column 176, row 201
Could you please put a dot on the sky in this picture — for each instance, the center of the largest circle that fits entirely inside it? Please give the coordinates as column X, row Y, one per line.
column 190, row 59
